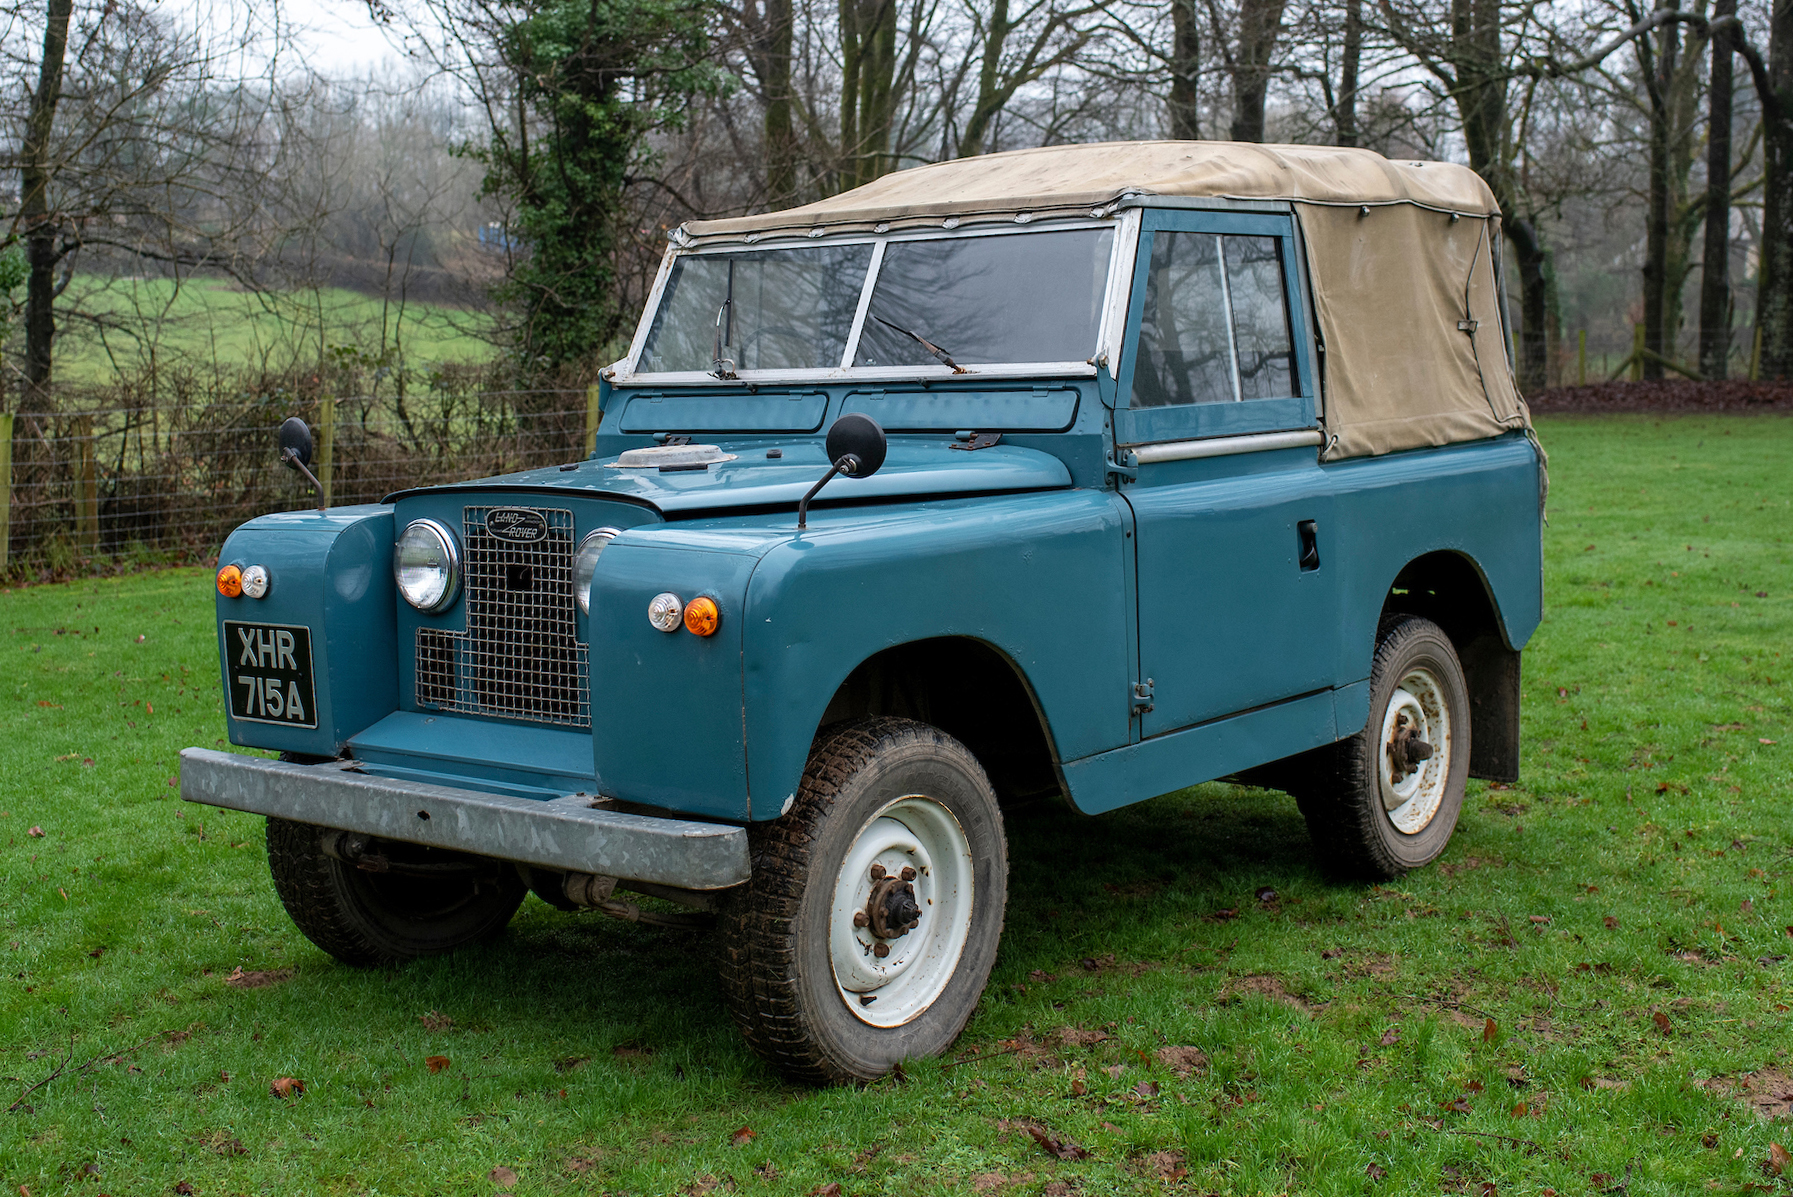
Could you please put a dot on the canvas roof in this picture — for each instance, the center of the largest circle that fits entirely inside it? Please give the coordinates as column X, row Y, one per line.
column 1067, row 178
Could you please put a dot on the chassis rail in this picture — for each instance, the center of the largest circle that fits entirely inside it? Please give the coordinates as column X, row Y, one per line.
column 562, row 833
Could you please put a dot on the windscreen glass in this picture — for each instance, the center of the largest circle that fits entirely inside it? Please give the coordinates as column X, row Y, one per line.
column 775, row 309
column 1026, row 297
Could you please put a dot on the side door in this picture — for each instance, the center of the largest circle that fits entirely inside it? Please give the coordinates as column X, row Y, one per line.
column 1217, row 408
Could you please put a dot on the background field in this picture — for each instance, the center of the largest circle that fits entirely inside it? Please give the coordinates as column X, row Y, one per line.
column 1589, row 993
column 209, row 320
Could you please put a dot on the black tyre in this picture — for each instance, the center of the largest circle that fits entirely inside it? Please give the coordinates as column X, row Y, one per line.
column 365, row 918
column 894, row 844
column 1387, row 799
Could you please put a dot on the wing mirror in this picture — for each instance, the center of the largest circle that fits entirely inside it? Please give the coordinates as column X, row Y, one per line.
column 294, row 439
column 856, row 446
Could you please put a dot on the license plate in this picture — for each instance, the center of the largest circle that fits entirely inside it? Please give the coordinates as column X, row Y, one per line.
column 269, row 670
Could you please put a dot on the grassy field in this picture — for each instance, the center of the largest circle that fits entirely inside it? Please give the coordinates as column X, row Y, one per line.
column 208, row 320
column 1589, row 993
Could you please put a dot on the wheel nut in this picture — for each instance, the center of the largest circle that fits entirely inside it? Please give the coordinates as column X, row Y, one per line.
column 861, row 918
column 908, row 873
column 881, row 950
column 877, row 872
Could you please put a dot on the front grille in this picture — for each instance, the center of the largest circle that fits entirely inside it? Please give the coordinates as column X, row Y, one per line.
column 518, row 657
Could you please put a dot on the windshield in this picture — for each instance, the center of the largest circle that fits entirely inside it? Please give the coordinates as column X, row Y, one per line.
column 779, row 309
column 1034, row 297
column 1009, row 298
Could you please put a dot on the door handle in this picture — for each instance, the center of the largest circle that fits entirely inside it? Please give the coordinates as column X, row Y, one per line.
column 1309, row 534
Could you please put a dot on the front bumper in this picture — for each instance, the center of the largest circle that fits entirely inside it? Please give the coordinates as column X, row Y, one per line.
column 565, row 833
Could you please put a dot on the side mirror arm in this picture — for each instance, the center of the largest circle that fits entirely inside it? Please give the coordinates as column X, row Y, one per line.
column 848, row 465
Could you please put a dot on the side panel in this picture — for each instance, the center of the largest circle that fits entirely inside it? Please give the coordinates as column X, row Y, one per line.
column 1039, row 577
column 1479, row 500
column 666, row 706
column 331, row 573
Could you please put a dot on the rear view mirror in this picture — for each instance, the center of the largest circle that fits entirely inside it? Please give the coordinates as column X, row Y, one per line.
column 295, row 443
column 856, row 448
column 294, row 439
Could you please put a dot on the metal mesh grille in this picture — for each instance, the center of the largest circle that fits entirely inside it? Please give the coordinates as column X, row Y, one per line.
column 518, row 657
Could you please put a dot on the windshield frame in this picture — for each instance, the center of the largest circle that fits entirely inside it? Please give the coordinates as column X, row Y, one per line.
column 1123, row 224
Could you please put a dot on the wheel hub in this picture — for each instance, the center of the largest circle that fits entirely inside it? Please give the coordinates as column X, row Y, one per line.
column 901, row 911
column 1415, row 759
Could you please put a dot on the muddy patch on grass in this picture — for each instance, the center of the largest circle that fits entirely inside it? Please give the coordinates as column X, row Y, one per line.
column 259, row 979
column 1271, row 988
column 1768, row 1092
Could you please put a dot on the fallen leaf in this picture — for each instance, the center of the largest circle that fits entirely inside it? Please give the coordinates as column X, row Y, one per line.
column 1144, row 1091
column 1332, row 953
column 1375, row 1171
column 501, row 1176
column 1486, row 1189
column 1540, row 920
column 1456, row 1105
column 1612, row 924
column 1662, row 1022
column 1057, row 1145
column 436, row 1063
column 1390, row 1037
column 286, row 1086
column 1167, row 1164
column 743, row 1137
column 181, row 1187
column 42, row 702
column 1765, row 740
column 36, row 833
column 1114, row 1071
column 1266, row 894
column 1489, row 1031
column 435, row 1020
column 831, row 1189
column 1778, row 1159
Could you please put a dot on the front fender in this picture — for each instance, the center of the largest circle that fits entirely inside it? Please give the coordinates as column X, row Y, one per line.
column 1041, row 577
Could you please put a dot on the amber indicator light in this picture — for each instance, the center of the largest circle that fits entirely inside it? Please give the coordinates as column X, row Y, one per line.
column 701, row 617
column 230, row 581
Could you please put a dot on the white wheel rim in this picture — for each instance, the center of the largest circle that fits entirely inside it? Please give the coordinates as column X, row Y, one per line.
column 915, row 832
column 1413, row 801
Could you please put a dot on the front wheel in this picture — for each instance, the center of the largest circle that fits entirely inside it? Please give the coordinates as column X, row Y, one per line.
column 1387, row 799
column 403, row 902
column 870, row 926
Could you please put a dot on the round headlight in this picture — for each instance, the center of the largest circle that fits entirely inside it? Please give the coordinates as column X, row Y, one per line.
column 586, row 562
column 426, row 564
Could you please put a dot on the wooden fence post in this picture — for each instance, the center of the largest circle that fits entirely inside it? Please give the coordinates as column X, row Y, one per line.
column 5, row 487
column 1581, row 358
column 592, row 418
column 1637, row 353
column 87, row 491
column 1755, row 356
column 326, row 447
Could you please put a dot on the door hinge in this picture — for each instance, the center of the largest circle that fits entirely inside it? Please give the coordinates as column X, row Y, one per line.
column 1126, row 465
column 1141, row 693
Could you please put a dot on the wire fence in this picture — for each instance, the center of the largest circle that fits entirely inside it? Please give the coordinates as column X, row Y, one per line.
column 113, row 478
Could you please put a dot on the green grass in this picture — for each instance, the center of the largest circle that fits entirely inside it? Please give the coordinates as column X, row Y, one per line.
column 592, row 1056
column 209, row 320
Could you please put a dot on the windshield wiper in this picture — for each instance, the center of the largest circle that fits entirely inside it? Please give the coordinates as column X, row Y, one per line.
column 723, row 367
column 939, row 354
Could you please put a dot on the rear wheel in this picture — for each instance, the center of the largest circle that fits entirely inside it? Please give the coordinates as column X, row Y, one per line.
column 402, row 902
column 870, row 926
column 1387, row 799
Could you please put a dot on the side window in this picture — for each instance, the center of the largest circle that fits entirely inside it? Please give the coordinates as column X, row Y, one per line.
column 1215, row 325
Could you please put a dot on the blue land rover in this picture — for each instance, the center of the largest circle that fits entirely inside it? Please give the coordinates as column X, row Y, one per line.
column 1093, row 471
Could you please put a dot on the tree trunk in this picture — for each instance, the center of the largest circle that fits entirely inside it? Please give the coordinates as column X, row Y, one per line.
column 775, row 78
column 1658, row 79
column 1774, row 288
column 1260, row 21
column 1345, row 118
column 868, row 34
column 1715, row 260
column 39, row 222
column 1185, row 72
column 990, row 100
column 1534, row 302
